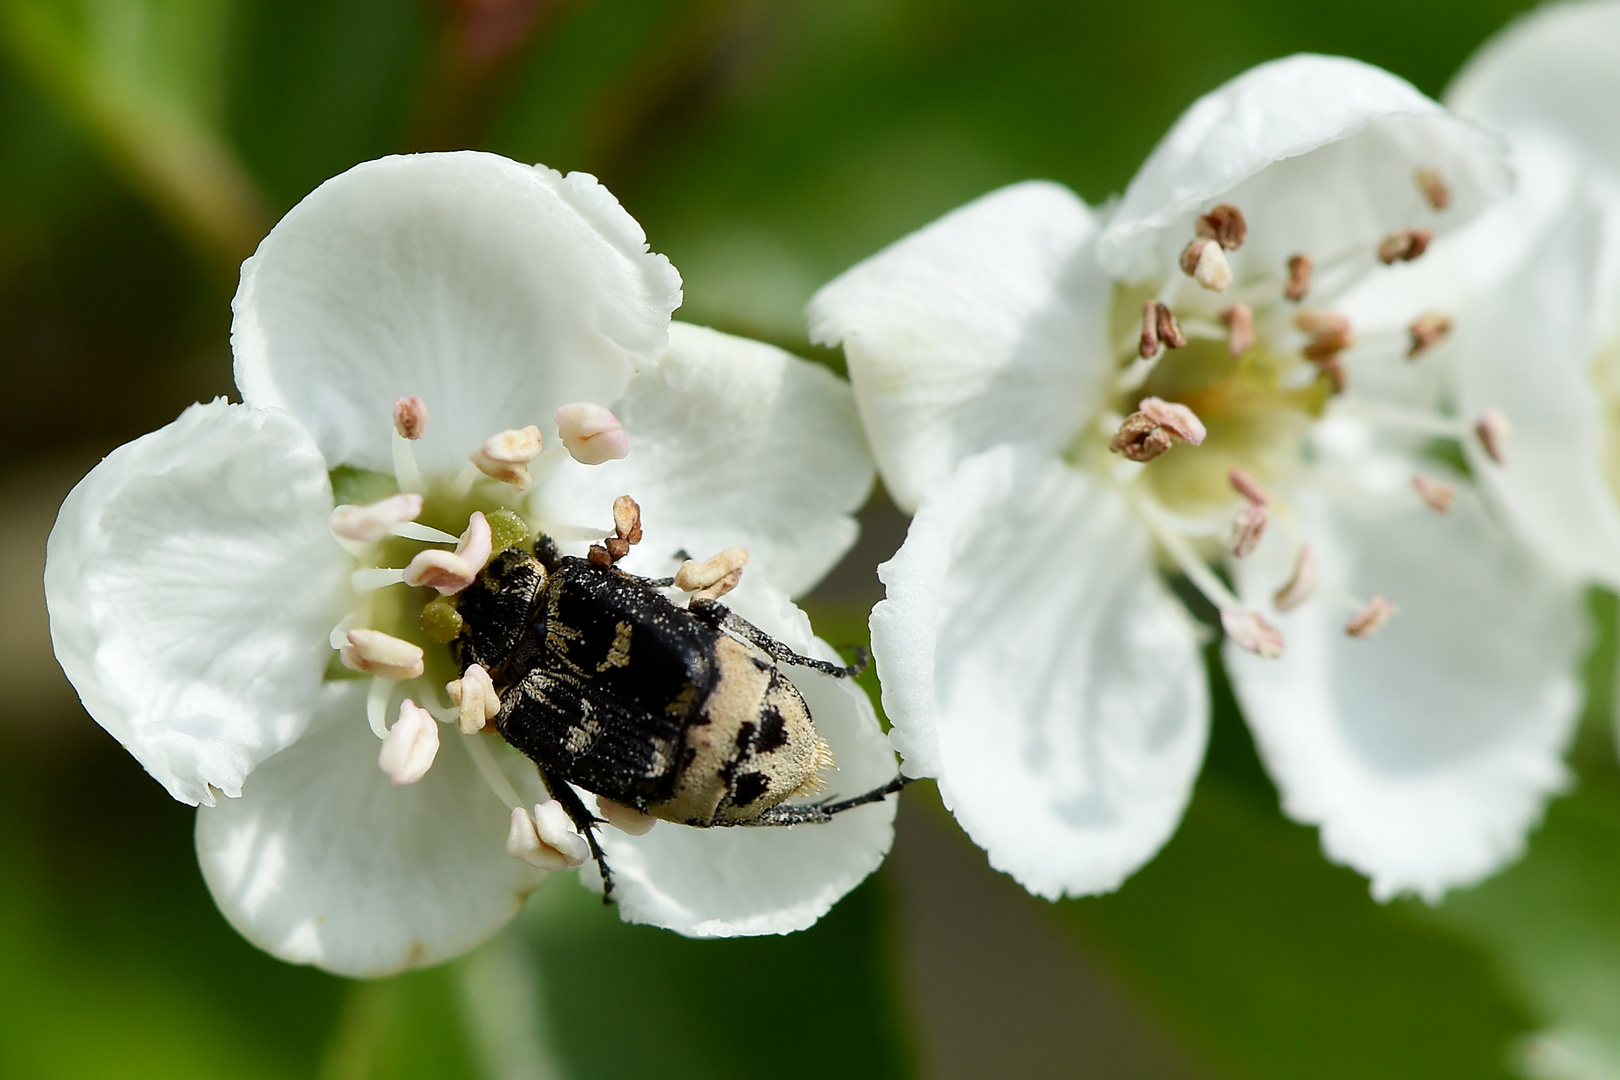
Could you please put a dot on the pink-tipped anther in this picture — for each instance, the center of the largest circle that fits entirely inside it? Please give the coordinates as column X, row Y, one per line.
column 1239, row 322
column 450, row 572
column 591, row 434
column 412, row 744
column 369, row 524
column 1374, row 614
column 475, row 699
column 1180, row 421
column 1301, row 584
column 1437, row 496
column 1493, row 431
column 505, row 456
column 380, row 654
column 1246, row 486
column 546, row 839
column 1252, row 633
column 1247, row 529
column 410, row 417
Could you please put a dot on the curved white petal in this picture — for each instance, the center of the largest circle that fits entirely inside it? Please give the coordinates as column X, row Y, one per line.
column 1552, row 73
column 324, row 861
column 1032, row 660
column 729, row 882
column 987, row 326
column 1426, row 752
column 1319, row 152
column 1528, row 346
column 191, row 582
column 732, row 443
column 495, row 291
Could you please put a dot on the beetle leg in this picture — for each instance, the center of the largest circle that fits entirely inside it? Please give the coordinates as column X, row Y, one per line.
column 723, row 617
column 585, row 822
column 822, row 812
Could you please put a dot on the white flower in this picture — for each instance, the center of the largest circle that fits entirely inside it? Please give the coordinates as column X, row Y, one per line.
column 203, row 589
column 1031, row 656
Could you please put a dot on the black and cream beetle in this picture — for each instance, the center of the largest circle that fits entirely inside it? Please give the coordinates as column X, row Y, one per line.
column 681, row 713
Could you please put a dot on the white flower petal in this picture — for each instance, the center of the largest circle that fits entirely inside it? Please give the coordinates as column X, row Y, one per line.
column 1426, row 752
column 495, row 291
column 728, row 882
column 1552, row 73
column 191, row 581
column 732, row 443
column 1526, row 346
column 1319, row 152
column 1032, row 660
column 324, row 861
column 987, row 326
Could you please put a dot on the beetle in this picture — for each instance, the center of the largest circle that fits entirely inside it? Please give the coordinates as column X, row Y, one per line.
column 682, row 713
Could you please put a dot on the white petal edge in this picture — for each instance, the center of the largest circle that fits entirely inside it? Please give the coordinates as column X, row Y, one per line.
column 984, row 327
column 495, row 291
column 732, row 443
column 191, row 582
column 741, row 881
column 1319, row 152
column 324, row 861
column 1033, row 661
column 1426, row 752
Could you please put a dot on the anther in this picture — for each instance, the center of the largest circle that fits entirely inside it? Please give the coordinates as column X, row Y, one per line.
column 546, row 839
column 1329, row 333
column 1205, row 262
column 1239, row 323
column 1434, row 188
column 1168, row 329
column 1224, row 225
column 1437, row 496
column 380, row 654
column 451, row 572
column 1247, row 529
column 1374, row 614
column 1252, row 633
column 369, row 524
column 1178, row 420
column 1299, row 277
column 410, row 417
column 475, row 699
column 1426, row 332
column 627, row 819
column 713, row 577
column 1404, row 245
column 412, row 744
column 505, row 456
column 1301, row 584
column 1333, row 372
column 626, row 527
column 1493, row 431
column 591, row 433
column 1140, row 438
column 1246, row 486
column 1148, row 346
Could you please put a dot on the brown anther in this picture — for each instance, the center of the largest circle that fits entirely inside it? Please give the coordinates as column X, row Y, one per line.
column 1493, row 430
column 1224, row 225
column 1299, row 277
column 721, row 587
column 1404, row 245
column 1205, row 262
column 1169, row 330
column 1374, row 614
column 410, row 417
column 1148, row 347
column 1329, row 334
column 1246, row 486
column 1239, row 323
column 1437, row 496
column 1180, row 421
column 1434, row 188
column 627, row 519
column 616, row 547
column 1301, row 584
column 598, row 556
column 1427, row 331
column 1139, row 438
column 713, row 577
column 1247, row 529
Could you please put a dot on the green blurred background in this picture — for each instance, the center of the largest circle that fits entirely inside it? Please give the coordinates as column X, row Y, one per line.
column 146, row 145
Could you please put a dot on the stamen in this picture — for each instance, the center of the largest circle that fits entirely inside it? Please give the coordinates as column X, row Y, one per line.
column 1205, row 262
column 1426, row 332
column 380, row 654
column 1333, row 371
column 411, row 745
column 1328, row 332
column 1299, row 278
column 1239, row 322
column 407, row 473
column 505, row 456
column 1148, row 347
column 369, row 524
column 1373, row 615
column 627, row 819
column 493, row 777
column 372, row 578
column 415, row 530
column 1301, row 584
column 713, row 577
column 1140, row 438
column 475, row 699
column 1404, row 245
column 449, row 572
column 1246, row 486
column 1247, row 529
column 1252, row 633
column 546, row 839
column 1224, row 225
column 1438, row 497
column 1493, row 431
column 410, row 417
column 1169, row 330
column 377, row 695
column 1178, row 420
column 626, row 527
column 1195, row 569
column 591, row 433
column 1434, row 188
